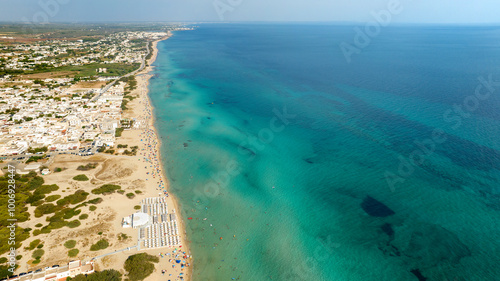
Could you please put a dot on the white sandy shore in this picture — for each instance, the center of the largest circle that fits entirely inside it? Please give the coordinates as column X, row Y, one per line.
column 150, row 137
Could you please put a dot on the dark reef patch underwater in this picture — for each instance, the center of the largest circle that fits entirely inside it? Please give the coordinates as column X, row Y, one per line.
column 376, row 208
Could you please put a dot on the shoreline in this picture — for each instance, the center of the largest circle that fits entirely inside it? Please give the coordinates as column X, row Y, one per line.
column 145, row 75
column 98, row 216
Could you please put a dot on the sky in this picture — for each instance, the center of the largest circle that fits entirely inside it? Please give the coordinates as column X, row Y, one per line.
column 400, row 11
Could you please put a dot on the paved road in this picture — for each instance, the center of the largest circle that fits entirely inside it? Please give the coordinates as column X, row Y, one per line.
column 115, row 252
column 105, row 89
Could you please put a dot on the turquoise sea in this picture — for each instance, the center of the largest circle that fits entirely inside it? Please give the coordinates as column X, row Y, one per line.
column 297, row 165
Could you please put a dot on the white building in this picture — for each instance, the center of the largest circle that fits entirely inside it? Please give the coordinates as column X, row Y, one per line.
column 57, row 273
column 107, row 139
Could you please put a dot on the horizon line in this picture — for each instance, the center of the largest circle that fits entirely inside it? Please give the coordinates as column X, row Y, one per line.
column 248, row 22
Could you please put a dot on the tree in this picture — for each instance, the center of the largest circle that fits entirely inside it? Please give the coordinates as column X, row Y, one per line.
column 108, row 275
column 140, row 266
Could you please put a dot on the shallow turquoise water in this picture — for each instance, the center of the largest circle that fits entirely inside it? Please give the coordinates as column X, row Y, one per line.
column 285, row 191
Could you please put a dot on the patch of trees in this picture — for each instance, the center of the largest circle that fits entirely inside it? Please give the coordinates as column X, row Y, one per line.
column 100, row 245
column 108, row 275
column 81, row 178
column 23, row 185
column 87, row 167
column 106, row 189
column 118, row 132
column 38, row 149
column 35, row 158
column 140, row 266
column 75, row 198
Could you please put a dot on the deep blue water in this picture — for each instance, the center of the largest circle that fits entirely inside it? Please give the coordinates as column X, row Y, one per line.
column 301, row 163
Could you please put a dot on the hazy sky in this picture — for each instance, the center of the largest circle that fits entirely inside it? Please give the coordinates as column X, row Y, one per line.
column 411, row 11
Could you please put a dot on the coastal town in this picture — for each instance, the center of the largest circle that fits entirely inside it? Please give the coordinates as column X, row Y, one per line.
column 59, row 114
column 75, row 116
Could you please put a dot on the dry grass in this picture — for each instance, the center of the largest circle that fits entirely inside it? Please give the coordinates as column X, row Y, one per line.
column 89, row 84
column 21, row 40
column 114, row 169
column 45, row 75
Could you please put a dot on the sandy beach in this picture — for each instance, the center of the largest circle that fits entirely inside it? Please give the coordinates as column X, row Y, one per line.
column 141, row 175
column 154, row 156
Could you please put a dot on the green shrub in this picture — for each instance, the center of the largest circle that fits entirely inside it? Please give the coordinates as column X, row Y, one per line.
column 100, row 245
column 130, row 195
column 74, row 223
column 83, row 217
column 47, row 208
column 87, row 167
column 58, row 216
column 106, row 189
column 62, row 202
column 140, row 266
column 70, row 244
column 57, row 170
column 122, row 236
column 37, row 149
column 121, row 191
column 81, row 178
column 118, row 132
column 39, row 194
column 21, row 214
column 92, row 208
column 23, row 179
column 37, row 203
column 45, row 230
column 3, row 260
column 73, row 253
column 108, row 275
column 37, row 254
column 137, row 207
column 39, row 246
column 35, row 182
column 35, row 158
column 69, row 213
column 4, row 270
column 75, row 198
column 52, row 198
column 38, row 225
column 78, row 196
column 46, row 189
column 35, row 198
column 95, row 200
column 56, row 221
column 57, row 225
column 33, row 244
column 138, row 192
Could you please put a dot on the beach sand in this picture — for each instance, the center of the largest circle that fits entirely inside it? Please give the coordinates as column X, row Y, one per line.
column 143, row 105
column 132, row 173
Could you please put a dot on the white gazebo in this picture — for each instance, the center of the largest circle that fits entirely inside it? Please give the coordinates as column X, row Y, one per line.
column 140, row 219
